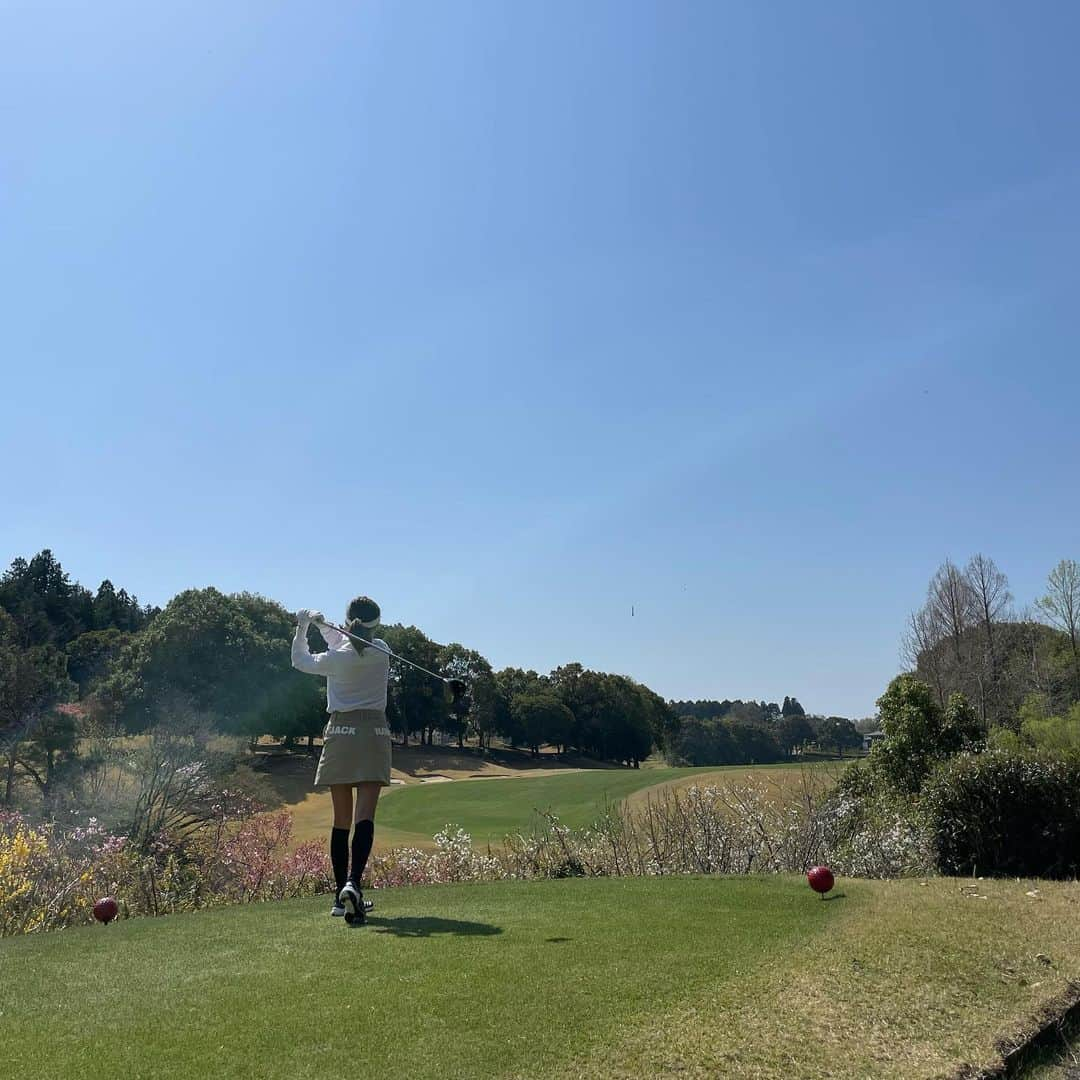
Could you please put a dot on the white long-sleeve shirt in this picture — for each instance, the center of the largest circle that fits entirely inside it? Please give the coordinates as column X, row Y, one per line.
column 352, row 681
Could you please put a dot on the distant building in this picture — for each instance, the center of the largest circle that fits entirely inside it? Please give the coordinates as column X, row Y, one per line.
column 870, row 738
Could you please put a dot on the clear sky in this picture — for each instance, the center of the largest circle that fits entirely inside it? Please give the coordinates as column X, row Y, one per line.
column 518, row 317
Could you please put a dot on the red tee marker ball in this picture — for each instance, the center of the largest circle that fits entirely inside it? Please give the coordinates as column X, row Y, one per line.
column 821, row 879
column 106, row 909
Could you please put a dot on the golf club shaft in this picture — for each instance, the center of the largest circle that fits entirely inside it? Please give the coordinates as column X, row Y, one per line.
column 364, row 643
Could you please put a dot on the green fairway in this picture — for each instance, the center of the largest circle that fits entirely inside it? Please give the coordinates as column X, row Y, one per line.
column 748, row 977
column 489, row 809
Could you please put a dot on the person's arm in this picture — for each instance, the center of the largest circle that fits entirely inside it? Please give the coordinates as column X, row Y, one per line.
column 303, row 659
column 332, row 636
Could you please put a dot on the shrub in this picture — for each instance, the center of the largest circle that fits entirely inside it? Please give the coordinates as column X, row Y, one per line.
column 1001, row 813
column 919, row 734
column 50, row 875
column 875, row 831
column 1056, row 736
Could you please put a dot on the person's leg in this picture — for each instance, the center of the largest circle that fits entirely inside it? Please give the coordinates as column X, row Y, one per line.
column 339, row 834
column 367, row 797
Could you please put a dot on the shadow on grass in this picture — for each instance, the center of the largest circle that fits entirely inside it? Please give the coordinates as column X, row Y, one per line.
column 428, row 927
column 834, row 896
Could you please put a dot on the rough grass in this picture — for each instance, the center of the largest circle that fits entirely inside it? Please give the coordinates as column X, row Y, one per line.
column 751, row 977
column 773, row 780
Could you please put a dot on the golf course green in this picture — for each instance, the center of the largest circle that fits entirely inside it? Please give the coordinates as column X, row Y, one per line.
column 751, row 976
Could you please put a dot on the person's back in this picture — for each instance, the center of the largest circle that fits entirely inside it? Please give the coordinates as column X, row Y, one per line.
column 353, row 680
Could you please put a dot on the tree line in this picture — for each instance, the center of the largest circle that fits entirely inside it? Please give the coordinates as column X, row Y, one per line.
column 76, row 664
column 752, row 732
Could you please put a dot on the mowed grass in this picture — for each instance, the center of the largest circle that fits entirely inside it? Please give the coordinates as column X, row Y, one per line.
column 747, row 977
column 490, row 809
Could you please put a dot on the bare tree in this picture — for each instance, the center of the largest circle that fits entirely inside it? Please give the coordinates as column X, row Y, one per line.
column 921, row 647
column 1061, row 605
column 953, row 602
column 1034, row 660
column 990, row 600
column 990, row 589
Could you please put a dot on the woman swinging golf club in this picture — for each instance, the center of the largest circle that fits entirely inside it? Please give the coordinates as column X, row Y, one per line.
column 356, row 741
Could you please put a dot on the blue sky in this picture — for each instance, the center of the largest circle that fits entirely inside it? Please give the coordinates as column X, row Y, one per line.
column 519, row 316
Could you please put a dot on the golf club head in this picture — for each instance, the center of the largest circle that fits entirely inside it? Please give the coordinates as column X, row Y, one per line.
column 459, row 704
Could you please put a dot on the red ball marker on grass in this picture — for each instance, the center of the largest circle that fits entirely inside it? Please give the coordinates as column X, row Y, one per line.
column 106, row 909
column 821, row 879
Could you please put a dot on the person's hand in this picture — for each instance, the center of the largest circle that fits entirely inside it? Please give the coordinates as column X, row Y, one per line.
column 317, row 617
column 304, row 617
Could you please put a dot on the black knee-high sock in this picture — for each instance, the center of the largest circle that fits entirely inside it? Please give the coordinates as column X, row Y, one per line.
column 363, row 835
column 339, row 855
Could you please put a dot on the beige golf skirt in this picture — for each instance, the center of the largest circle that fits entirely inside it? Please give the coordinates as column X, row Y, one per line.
column 356, row 749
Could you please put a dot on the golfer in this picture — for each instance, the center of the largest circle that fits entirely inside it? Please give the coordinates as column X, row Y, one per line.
column 356, row 740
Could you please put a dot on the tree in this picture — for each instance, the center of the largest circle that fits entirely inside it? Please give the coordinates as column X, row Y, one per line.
column 1055, row 736
column 1061, row 605
column 51, row 609
column 510, row 684
column 542, row 718
column 794, row 731
column 921, row 648
column 662, row 717
column 577, row 690
column 991, row 596
column 48, row 608
column 964, row 640
column 416, row 703
column 297, row 711
column 791, row 707
column 838, row 733
column 90, row 654
column 34, row 681
column 226, row 657
column 919, row 733
column 51, row 744
column 623, row 718
column 105, row 606
column 701, row 742
column 953, row 604
column 457, row 662
column 723, row 741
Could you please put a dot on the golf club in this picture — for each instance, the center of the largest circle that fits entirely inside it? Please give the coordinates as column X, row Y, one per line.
column 457, row 686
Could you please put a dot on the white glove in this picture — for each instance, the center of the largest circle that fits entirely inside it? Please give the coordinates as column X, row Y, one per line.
column 305, row 616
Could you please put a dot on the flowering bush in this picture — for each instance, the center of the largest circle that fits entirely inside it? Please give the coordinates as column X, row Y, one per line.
column 453, row 859
column 700, row 830
column 722, row 830
column 50, row 875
